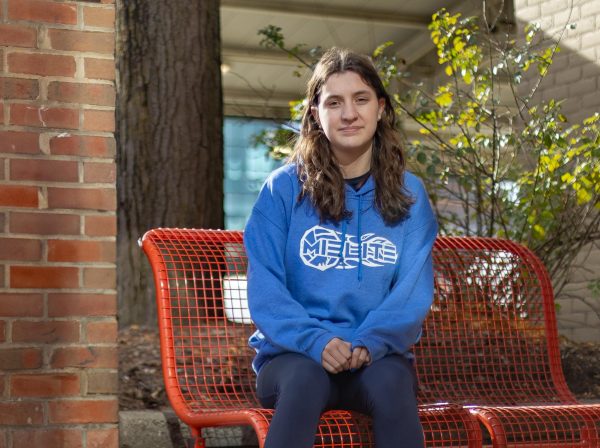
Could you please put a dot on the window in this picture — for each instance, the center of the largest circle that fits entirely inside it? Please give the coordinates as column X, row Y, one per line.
column 246, row 167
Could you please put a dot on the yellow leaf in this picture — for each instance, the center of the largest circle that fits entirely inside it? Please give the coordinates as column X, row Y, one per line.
column 459, row 44
column 449, row 70
column 586, row 182
column 552, row 164
column 444, row 100
column 583, row 196
column 567, row 177
column 538, row 231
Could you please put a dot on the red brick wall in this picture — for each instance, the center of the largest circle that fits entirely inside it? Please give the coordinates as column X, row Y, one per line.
column 58, row 352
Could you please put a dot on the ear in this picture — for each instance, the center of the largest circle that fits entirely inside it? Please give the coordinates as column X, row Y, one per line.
column 381, row 108
column 314, row 110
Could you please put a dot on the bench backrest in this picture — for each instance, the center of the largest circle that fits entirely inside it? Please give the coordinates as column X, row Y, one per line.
column 490, row 337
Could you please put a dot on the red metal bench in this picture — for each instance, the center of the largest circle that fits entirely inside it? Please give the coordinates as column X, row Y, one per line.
column 488, row 356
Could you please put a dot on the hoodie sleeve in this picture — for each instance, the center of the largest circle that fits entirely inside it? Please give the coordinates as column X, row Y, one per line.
column 280, row 318
column 395, row 325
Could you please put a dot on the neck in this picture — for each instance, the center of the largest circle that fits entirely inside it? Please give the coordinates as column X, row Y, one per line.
column 357, row 166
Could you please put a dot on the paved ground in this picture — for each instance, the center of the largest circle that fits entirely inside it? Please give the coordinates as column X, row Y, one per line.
column 162, row 429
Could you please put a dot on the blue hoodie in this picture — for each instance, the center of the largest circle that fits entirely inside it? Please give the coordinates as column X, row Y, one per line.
column 359, row 280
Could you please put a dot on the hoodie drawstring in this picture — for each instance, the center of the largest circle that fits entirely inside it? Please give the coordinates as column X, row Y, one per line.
column 359, row 238
column 343, row 245
column 359, row 211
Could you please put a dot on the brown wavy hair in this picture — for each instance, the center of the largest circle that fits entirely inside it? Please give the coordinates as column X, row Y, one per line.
column 321, row 177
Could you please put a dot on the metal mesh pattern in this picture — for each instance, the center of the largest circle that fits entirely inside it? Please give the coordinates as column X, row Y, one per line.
column 542, row 426
column 489, row 338
column 489, row 346
column 443, row 425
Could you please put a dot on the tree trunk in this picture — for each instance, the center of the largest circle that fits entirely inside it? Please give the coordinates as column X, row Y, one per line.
column 169, row 133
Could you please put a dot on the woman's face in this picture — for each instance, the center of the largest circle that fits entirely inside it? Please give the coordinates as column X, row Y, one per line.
column 348, row 112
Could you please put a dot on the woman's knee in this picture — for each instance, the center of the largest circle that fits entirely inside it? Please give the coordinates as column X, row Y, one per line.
column 389, row 380
column 305, row 375
column 293, row 377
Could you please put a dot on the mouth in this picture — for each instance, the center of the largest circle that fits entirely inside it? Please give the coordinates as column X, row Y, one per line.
column 350, row 129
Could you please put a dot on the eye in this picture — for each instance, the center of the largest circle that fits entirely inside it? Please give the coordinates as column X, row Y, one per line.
column 333, row 103
column 362, row 100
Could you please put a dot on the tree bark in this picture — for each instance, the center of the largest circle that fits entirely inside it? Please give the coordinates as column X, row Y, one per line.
column 169, row 133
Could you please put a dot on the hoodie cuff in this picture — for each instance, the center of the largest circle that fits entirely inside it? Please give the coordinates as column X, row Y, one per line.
column 376, row 350
column 316, row 350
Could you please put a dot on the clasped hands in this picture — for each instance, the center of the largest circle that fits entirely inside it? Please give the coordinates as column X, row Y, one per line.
column 338, row 356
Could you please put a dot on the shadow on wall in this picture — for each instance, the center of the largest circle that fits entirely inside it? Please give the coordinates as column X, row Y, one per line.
column 574, row 78
column 575, row 73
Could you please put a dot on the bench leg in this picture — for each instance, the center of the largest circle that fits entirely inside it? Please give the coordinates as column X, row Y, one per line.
column 196, row 441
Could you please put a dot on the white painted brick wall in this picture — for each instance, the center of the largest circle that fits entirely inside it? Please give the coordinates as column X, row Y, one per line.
column 590, row 69
column 566, row 76
column 575, row 76
column 564, row 16
column 550, row 7
column 590, row 7
column 584, row 56
column 583, row 87
column 530, row 13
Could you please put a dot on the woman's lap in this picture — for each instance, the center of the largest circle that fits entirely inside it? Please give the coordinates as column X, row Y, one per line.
column 299, row 389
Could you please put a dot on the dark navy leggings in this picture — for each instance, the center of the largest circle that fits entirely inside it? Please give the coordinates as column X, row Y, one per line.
column 299, row 389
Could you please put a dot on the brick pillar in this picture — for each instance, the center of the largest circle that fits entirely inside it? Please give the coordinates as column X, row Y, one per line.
column 58, row 330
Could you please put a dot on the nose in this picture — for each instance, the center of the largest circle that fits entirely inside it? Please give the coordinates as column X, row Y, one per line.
column 349, row 113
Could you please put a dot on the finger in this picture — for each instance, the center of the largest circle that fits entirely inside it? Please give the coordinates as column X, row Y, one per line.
column 348, row 346
column 334, row 346
column 333, row 359
column 328, row 367
column 344, row 348
column 364, row 354
column 364, row 357
column 341, row 361
column 355, row 362
column 360, row 356
column 360, row 363
column 343, row 355
column 341, row 352
column 337, row 353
